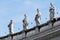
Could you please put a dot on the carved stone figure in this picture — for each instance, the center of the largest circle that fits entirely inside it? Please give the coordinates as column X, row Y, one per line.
column 37, row 18
column 11, row 26
column 25, row 22
column 52, row 11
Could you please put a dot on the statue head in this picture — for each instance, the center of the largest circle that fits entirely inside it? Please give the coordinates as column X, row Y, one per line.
column 24, row 15
column 37, row 10
column 11, row 21
column 51, row 6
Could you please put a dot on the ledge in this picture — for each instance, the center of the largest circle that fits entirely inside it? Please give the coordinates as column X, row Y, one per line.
column 29, row 30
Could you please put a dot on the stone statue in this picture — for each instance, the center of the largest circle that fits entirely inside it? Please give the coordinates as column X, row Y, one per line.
column 25, row 22
column 52, row 11
column 11, row 26
column 37, row 18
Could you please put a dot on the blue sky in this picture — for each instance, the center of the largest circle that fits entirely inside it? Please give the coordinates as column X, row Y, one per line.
column 15, row 9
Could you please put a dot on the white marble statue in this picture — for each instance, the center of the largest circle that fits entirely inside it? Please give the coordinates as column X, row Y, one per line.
column 37, row 18
column 11, row 27
column 52, row 11
column 25, row 22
